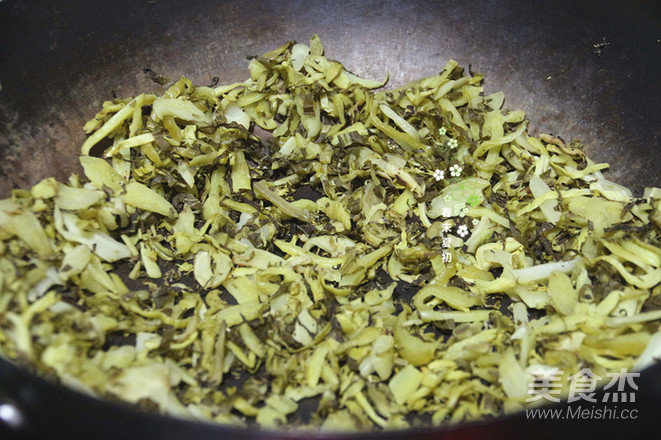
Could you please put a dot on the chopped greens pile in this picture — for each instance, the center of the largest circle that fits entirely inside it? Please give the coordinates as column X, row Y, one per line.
column 396, row 257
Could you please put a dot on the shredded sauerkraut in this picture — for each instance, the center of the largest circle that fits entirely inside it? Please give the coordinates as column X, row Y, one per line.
column 401, row 256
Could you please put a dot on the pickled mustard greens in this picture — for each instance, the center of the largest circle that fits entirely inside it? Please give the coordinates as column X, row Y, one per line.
column 400, row 256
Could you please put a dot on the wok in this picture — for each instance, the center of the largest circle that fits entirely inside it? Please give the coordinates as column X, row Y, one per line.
column 588, row 70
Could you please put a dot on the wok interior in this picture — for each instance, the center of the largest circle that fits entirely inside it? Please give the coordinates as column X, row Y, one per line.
column 586, row 72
